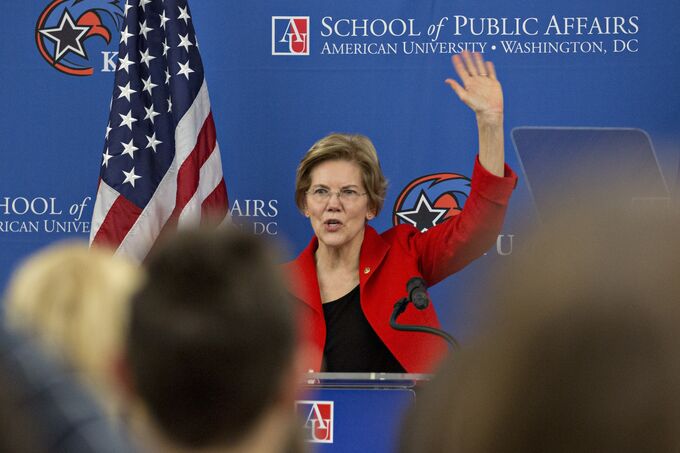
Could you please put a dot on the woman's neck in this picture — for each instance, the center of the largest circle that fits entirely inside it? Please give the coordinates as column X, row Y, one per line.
column 345, row 257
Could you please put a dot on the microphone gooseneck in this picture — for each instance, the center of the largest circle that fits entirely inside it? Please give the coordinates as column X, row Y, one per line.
column 417, row 294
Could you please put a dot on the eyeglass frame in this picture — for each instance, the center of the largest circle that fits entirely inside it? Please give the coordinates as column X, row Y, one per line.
column 338, row 193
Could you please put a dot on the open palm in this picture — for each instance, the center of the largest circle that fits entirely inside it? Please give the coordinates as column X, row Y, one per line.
column 480, row 89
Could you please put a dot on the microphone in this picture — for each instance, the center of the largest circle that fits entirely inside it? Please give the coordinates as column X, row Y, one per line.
column 417, row 293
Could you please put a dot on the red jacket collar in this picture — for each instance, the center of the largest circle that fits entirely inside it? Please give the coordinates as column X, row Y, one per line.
column 302, row 270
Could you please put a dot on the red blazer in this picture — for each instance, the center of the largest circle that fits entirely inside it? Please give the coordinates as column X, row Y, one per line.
column 388, row 260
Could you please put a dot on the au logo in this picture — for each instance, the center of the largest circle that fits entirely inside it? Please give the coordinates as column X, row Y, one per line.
column 64, row 27
column 318, row 420
column 430, row 200
column 290, row 35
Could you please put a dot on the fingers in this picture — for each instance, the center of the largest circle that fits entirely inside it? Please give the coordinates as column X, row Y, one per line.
column 479, row 64
column 460, row 91
column 469, row 65
column 491, row 70
column 460, row 68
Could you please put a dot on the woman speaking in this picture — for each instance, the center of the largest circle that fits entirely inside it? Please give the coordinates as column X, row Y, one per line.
column 349, row 276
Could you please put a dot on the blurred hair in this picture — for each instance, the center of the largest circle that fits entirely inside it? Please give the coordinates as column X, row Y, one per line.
column 211, row 336
column 352, row 148
column 74, row 301
column 578, row 351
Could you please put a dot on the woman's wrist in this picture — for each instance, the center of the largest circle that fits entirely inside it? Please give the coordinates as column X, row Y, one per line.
column 490, row 119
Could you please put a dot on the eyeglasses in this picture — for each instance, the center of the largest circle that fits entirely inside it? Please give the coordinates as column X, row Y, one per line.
column 322, row 194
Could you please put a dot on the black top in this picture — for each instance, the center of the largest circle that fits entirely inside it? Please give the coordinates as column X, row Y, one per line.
column 351, row 343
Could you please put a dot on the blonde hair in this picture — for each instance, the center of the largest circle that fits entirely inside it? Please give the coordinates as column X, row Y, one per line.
column 74, row 301
column 352, row 148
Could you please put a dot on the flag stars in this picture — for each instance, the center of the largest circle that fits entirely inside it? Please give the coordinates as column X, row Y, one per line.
column 184, row 69
column 169, row 104
column 108, row 128
column 124, row 35
column 164, row 19
column 167, row 76
column 124, row 63
column 166, row 47
column 106, row 156
column 129, row 149
column 125, row 91
column 185, row 42
column 148, row 85
column 146, row 57
column 184, row 14
column 150, row 114
column 144, row 29
column 143, row 4
column 127, row 120
column 130, row 177
column 153, row 142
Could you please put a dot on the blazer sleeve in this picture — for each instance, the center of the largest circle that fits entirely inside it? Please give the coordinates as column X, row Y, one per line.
column 450, row 246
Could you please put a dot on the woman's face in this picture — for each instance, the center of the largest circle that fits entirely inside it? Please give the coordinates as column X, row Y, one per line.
column 338, row 221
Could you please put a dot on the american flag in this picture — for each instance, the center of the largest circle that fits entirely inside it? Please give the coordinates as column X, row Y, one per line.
column 161, row 166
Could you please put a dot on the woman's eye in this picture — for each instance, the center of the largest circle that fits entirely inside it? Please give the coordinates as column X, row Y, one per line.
column 349, row 192
column 320, row 191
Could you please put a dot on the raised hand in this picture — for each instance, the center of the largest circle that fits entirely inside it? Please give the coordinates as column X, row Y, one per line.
column 480, row 90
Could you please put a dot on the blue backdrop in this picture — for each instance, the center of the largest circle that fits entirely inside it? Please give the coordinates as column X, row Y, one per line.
column 283, row 74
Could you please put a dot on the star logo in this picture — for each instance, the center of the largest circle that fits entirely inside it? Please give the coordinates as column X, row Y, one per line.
column 424, row 216
column 64, row 27
column 67, row 37
column 430, row 200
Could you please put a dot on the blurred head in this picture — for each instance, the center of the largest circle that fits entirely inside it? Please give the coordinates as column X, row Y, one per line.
column 210, row 346
column 18, row 430
column 74, row 301
column 578, row 350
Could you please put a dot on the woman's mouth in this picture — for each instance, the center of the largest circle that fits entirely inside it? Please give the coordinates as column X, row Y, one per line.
column 332, row 225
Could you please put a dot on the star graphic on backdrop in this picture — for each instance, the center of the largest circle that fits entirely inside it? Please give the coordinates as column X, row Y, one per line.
column 153, row 142
column 184, row 69
column 125, row 91
column 67, row 36
column 127, row 120
column 184, row 42
column 129, row 149
column 150, row 113
column 130, row 177
column 184, row 14
column 424, row 216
